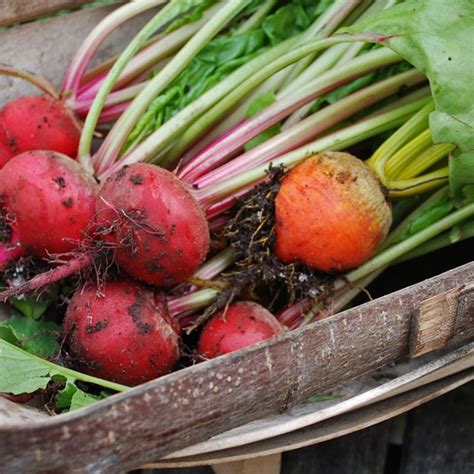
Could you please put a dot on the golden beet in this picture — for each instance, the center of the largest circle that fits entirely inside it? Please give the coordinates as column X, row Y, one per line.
column 331, row 213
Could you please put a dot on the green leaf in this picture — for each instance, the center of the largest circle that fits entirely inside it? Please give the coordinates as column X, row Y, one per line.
column 37, row 337
column 82, row 399
column 22, row 372
column 323, row 397
column 72, row 397
column 30, row 307
column 436, row 36
column 223, row 55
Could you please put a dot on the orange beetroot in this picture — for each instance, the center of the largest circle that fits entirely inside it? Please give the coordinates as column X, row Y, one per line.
column 331, row 213
column 49, row 199
column 37, row 123
column 120, row 335
column 160, row 232
column 243, row 324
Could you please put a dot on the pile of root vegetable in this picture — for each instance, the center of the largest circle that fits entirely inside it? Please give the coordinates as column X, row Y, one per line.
column 199, row 192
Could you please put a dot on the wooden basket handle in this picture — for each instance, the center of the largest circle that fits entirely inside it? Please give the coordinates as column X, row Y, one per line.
column 441, row 318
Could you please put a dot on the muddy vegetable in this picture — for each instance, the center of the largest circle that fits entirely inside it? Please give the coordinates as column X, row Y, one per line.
column 159, row 230
column 331, row 213
column 243, row 324
column 120, row 335
column 50, row 201
column 37, row 123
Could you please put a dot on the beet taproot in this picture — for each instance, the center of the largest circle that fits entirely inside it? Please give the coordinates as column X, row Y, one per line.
column 50, row 200
column 331, row 213
column 160, row 232
column 120, row 335
column 37, row 123
column 243, row 324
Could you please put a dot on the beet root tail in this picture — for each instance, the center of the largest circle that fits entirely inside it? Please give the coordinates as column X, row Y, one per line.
column 51, row 276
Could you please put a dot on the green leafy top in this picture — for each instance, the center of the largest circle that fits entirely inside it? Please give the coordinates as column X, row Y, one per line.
column 223, row 55
column 437, row 36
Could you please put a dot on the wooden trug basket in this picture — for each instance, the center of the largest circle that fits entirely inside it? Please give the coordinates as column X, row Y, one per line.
column 270, row 382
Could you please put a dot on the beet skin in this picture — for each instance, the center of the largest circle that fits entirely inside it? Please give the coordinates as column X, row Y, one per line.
column 121, row 335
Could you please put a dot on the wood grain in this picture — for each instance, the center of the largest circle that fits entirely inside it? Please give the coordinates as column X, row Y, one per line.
column 194, row 404
column 338, row 426
column 15, row 11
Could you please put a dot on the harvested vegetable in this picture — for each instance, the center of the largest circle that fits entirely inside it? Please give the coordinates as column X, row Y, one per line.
column 242, row 324
column 331, row 213
column 49, row 200
column 158, row 228
column 119, row 334
column 37, row 123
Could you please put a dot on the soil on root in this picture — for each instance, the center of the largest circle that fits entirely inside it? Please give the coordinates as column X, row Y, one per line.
column 258, row 274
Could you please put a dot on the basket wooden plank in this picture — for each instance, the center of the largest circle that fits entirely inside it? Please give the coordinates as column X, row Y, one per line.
column 447, row 448
column 335, row 427
column 361, row 452
column 353, row 395
column 15, row 11
column 191, row 405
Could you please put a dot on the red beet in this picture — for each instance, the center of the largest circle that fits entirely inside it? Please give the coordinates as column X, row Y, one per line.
column 120, row 336
column 159, row 229
column 245, row 323
column 37, row 123
column 50, row 199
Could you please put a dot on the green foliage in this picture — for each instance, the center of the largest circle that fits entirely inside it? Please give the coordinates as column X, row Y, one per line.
column 37, row 337
column 223, row 55
column 437, row 37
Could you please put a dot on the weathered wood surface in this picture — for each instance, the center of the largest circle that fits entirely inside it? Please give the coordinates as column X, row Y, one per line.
column 385, row 383
column 46, row 48
column 340, row 425
column 440, row 435
column 277, row 427
column 15, row 11
column 191, row 405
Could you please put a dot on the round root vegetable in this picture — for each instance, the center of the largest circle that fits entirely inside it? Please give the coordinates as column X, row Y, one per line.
column 37, row 123
column 50, row 201
column 243, row 324
column 120, row 335
column 160, row 232
column 331, row 213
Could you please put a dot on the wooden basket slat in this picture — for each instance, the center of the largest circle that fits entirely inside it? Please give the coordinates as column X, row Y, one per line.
column 15, row 11
column 328, row 429
column 194, row 404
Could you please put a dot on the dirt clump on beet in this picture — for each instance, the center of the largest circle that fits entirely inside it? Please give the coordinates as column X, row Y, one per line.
column 258, row 274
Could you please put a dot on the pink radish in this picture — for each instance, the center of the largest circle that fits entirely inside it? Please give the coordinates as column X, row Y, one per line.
column 37, row 123
column 10, row 249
